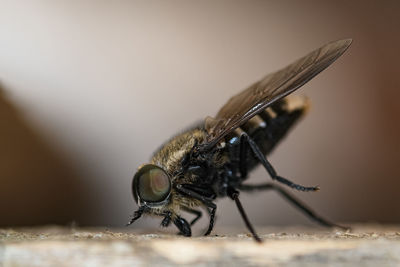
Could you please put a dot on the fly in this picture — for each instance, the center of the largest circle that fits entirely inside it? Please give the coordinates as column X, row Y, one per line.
column 213, row 160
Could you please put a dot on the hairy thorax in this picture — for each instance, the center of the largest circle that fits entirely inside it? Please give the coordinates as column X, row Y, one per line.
column 170, row 156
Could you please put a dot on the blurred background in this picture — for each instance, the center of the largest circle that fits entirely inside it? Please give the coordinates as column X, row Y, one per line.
column 89, row 89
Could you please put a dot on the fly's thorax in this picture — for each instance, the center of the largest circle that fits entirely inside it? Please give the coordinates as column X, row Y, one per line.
column 172, row 154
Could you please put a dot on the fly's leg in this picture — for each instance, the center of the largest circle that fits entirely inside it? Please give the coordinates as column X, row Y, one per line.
column 183, row 226
column 233, row 194
column 167, row 220
column 197, row 213
column 267, row 165
column 242, row 156
column 206, row 201
column 136, row 215
column 294, row 201
column 212, row 211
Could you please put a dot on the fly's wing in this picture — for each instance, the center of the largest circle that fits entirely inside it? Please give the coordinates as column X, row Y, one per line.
column 271, row 88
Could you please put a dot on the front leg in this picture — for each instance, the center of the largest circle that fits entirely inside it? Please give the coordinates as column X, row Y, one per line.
column 137, row 214
column 167, row 219
column 206, row 201
column 183, row 226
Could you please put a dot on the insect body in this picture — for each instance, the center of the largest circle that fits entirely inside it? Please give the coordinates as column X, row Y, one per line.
column 213, row 159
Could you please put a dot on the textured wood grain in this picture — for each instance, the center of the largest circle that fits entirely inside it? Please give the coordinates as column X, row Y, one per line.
column 370, row 245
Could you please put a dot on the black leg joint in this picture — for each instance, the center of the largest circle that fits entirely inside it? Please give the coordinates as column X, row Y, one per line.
column 232, row 193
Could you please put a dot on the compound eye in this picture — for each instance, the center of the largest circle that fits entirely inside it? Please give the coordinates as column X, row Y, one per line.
column 151, row 184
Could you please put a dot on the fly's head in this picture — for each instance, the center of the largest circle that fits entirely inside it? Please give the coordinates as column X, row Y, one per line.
column 151, row 188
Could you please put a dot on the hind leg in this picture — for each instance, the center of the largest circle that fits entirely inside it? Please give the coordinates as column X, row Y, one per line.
column 294, row 201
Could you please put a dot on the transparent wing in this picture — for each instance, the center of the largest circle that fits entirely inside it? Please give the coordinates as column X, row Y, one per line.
column 271, row 88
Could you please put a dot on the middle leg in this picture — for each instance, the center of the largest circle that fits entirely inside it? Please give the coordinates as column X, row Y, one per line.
column 234, row 195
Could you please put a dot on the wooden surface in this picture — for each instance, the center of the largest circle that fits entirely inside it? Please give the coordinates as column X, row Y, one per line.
column 365, row 245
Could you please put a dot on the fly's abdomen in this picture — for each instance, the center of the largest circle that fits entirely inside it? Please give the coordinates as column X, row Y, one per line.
column 268, row 127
